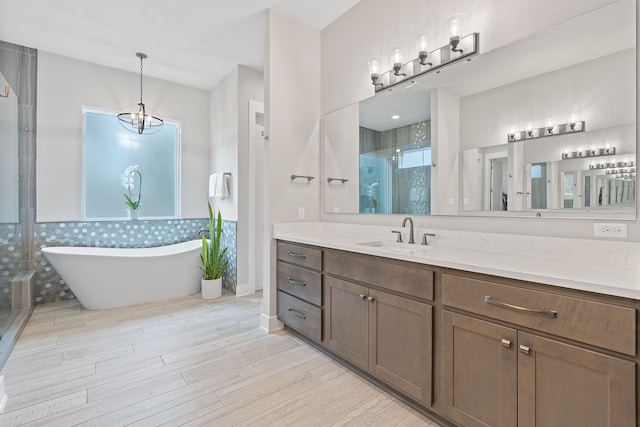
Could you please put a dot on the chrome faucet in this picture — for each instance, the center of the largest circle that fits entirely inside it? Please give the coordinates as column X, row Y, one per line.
column 404, row 221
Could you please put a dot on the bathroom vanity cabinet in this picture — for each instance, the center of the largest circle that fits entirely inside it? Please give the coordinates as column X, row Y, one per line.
column 497, row 373
column 299, row 281
column 475, row 349
column 378, row 316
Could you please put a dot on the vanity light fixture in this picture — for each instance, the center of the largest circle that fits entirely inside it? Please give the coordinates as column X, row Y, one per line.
column 455, row 22
column 596, row 152
column 549, row 129
column 396, row 60
column 395, row 117
column 423, row 46
column 426, row 62
column 374, row 70
column 141, row 122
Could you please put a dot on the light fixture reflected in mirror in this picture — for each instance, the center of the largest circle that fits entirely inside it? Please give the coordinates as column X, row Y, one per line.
column 374, row 70
column 455, row 22
column 549, row 129
column 396, row 60
column 140, row 121
column 423, row 46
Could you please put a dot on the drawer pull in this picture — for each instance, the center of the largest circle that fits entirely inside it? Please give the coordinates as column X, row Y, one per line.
column 363, row 297
column 296, row 282
column 370, row 299
column 549, row 313
column 506, row 343
column 297, row 313
column 525, row 350
column 296, row 255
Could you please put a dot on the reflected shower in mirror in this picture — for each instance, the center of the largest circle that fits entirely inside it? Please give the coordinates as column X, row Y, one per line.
column 395, row 153
column 9, row 202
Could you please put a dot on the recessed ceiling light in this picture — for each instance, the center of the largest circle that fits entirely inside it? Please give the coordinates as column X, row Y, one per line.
column 395, row 117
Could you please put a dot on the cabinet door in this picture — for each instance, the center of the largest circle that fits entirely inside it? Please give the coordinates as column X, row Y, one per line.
column 562, row 385
column 401, row 344
column 479, row 372
column 347, row 320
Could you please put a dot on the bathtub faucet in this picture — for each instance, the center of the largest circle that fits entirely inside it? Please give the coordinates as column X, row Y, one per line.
column 203, row 231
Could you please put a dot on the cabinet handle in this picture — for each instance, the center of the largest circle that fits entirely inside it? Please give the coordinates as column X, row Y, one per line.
column 363, row 297
column 549, row 313
column 370, row 299
column 297, row 313
column 296, row 282
column 525, row 350
column 296, row 255
column 506, row 343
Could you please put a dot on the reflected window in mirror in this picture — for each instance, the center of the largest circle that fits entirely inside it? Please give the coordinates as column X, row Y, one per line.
column 109, row 150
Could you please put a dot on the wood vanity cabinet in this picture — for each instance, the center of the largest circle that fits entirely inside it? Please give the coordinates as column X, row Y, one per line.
column 299, row 282
column 371, row 324
column 499, row 375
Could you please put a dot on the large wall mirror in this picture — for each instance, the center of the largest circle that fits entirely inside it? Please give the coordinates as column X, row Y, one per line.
column 547, row 125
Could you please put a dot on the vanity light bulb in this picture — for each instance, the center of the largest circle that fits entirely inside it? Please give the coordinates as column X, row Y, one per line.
column 396, row 55
column 423, row 46
column 550, row 126
column 374, row 70
column 529, row 130
column 455, row 22
column 374, row 65
column 396, row 60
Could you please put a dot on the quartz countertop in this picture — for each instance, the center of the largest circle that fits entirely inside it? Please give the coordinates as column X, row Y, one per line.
column 610, row 268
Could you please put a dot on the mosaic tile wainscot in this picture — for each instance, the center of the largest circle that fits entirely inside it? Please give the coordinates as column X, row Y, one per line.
column 50, row 287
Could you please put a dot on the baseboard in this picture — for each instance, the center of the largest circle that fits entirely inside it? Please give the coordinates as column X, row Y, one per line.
column 243, row 290
column 270, row 323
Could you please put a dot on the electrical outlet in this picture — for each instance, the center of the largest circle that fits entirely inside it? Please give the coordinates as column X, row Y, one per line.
column 610, row 230
column 300, row 213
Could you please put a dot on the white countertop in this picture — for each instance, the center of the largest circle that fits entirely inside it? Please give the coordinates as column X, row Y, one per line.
column 610, row 268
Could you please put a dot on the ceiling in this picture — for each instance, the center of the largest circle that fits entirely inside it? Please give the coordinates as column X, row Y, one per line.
column 195, row 42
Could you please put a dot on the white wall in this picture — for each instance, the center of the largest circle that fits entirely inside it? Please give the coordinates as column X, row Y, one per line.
column 292, row 114
column 229, row 103
column 372, row 26
column 64, row 86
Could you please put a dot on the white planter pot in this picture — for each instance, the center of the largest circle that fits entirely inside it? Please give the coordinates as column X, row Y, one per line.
column 133, row 214
column 211, row 289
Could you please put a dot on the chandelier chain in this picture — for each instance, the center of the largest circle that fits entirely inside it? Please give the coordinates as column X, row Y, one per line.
column 141, row 80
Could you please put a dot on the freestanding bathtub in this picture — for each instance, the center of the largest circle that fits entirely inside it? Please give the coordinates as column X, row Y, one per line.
column 103, row 278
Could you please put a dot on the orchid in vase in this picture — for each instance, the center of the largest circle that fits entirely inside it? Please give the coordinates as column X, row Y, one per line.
column 128, row 178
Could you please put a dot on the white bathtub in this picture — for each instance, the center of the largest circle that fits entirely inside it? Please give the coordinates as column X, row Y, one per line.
column 103, row 278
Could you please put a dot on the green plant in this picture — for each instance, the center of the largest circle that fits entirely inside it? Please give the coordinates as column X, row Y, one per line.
column 212, row 256
column 127, row 181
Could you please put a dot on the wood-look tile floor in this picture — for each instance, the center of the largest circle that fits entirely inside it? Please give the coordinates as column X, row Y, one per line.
column 184, row 361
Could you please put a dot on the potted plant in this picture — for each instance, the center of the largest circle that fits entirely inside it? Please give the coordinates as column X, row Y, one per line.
column 213, row 262
column 128, row 183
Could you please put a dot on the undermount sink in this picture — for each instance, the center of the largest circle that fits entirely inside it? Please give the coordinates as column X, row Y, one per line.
column 395, row 247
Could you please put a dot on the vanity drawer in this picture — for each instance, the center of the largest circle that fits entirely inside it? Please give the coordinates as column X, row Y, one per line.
column 600, row 324
column 301, row 316
column 302, row 283
column 405, row 277
column 305, row 256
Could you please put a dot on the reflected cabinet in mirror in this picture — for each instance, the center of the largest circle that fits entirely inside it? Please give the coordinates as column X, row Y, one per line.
column 544, row 126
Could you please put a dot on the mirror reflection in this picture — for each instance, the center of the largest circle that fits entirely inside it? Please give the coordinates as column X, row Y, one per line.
column 395, row 154
column 479, row 114
column 8, row 153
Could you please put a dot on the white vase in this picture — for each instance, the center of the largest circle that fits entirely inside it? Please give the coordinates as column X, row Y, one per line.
column 133, row 214
column 211, row 289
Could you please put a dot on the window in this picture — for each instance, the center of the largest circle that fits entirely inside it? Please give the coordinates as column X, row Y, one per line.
column 109, row 149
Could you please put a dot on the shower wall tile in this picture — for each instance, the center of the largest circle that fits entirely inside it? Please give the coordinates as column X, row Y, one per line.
column 50, row 287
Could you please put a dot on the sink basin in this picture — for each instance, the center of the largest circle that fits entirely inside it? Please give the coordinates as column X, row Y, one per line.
column 395, row 247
